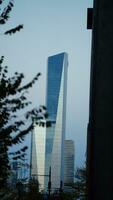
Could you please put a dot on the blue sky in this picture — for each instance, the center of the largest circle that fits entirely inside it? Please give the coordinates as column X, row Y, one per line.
column 51, row 27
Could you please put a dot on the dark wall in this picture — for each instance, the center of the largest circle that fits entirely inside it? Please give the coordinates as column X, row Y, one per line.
column 100, row 128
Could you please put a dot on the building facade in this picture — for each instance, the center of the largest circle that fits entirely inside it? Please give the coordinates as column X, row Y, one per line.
column 48, row 142
column 56, row 106
column 69, row 162
column 100, row 127
column 38, row 140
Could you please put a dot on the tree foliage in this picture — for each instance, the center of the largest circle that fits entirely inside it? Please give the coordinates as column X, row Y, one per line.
column 13, row 128
column 5, row 15
column 33, row 191
column 80, row 190
column 16, row 120
column 81, row 183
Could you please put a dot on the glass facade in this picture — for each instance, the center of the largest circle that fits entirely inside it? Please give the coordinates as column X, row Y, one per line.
column 54, row 74
column 56, row 107
column 48, row 142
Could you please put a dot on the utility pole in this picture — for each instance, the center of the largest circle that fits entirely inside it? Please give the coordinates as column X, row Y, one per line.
column 61, row 187
column 49, row 184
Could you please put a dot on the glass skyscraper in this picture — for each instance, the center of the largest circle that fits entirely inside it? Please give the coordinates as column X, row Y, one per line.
column 56, row 106
column 51, row 148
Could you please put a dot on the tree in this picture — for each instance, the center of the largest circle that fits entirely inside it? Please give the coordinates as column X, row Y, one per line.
column 12, row 127
column 13, row 102
column 33, row 191
column 79, row 186
column 5, row 15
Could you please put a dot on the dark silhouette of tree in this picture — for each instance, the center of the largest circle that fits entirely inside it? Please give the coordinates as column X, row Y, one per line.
column 80, row 183
column 79, row 186
column 13, row 128
column 33, row 191
column 5, row 15
column 79, row 190
column 16, row 120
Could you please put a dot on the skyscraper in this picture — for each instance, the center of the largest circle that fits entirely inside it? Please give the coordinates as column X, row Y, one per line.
column 56, row 106
column 48, row 143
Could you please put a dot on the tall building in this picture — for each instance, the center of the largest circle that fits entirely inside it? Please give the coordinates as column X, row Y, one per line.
column 69, row 157
column 69, row 162
column 56, row 106
column 48, row 142
column 100, row 127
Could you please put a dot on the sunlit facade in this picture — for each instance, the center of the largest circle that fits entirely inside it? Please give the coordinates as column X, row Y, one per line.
column 38, row 154
column 48, row 143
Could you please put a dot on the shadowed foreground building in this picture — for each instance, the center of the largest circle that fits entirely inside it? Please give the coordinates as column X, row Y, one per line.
column 100, row 128
column 48, row 142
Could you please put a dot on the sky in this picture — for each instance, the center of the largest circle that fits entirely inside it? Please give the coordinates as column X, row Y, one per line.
column 51, row 27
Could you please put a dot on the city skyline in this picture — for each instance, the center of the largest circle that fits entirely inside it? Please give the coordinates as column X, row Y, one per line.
column 56, row 100
column 49, row 28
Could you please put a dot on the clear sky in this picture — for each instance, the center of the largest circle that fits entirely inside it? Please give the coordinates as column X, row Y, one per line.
column 51, row 27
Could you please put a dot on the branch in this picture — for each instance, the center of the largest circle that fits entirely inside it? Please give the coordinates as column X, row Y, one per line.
column 30, row 84
column 1, row 1
column 5, row 14
column 14, row 30
column 20, row 137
